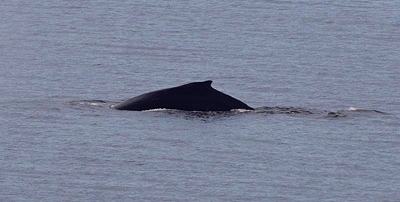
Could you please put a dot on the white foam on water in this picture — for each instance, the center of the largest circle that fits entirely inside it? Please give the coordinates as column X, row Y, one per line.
column 352, row 109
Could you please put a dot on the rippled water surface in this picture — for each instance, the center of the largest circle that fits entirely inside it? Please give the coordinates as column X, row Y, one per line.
column 324, row 76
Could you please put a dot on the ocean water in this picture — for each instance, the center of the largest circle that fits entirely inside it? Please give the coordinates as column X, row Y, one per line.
column 325, row 76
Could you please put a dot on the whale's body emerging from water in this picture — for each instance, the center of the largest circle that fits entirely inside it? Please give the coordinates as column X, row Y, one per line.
column 197, row 96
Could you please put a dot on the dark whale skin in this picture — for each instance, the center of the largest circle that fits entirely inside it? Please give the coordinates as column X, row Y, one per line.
column 197, row 96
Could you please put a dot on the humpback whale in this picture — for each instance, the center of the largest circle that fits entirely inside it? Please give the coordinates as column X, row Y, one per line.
column 197, row 96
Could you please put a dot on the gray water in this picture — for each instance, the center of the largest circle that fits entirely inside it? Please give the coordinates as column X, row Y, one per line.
column 319, row 56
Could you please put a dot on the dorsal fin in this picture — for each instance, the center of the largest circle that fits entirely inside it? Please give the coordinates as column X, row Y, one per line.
column 207, row 83
column 201, row 84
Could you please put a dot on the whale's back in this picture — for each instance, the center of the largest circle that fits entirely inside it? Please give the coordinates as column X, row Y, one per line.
column 197, row 96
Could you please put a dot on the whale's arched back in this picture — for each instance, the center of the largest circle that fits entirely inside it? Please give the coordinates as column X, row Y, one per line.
column 196, row 96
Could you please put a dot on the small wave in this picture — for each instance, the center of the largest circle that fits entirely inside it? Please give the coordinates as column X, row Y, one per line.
column 82, row 104
column 88, row 102
column 207, row 112
column 296, row 111
column 353, row 109
column 158, row 110
column 241, row 110
column 284, row 110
